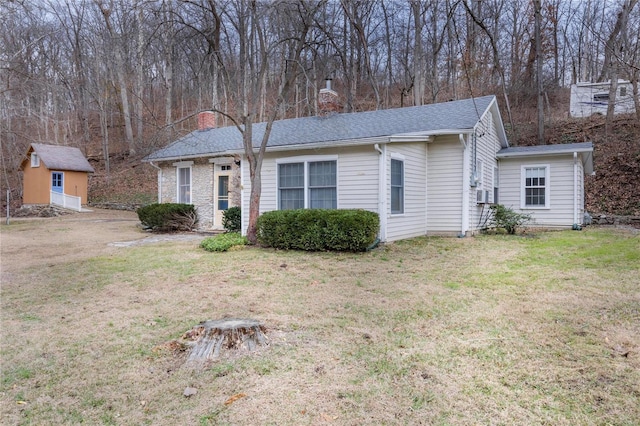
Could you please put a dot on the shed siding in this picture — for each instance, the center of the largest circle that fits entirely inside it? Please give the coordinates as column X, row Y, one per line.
column 412, row 222
column 37, row 184
column 444, row 185
column 560, row 211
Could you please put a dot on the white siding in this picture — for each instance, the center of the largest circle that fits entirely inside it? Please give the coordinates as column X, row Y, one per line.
column 444, row 185
column 357, row 178
column 560, row 186
column 488, row 145
column 412, row 222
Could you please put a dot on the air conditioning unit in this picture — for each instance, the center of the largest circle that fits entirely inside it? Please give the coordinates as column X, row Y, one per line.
column 482, row 197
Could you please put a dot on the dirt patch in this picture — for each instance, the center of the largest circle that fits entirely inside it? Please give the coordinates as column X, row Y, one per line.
column 65, row 238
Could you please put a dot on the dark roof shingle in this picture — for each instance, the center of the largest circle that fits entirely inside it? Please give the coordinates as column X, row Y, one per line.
column 453, row 115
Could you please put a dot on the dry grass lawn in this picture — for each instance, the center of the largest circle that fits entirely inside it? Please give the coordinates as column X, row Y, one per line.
column 542, row 329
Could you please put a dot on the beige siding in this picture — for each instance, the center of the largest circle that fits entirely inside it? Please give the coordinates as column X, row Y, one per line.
column 412, row 222
column 444, row 185
column 561, row 179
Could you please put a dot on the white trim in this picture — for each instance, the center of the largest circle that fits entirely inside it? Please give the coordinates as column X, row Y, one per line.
column 184, row 166
column 575, row 188
column 306, row 158
column 35, row 160
column 547, row 186
column 400, row 158
column 466, row 179
column 382, row 191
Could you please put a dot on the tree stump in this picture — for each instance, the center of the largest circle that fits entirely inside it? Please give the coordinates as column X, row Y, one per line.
column 209, row 338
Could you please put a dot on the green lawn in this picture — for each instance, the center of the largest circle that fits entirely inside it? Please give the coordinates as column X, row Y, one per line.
column 536, row 329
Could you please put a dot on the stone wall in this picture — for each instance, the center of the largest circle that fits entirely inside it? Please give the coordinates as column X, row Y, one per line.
column 605, row 219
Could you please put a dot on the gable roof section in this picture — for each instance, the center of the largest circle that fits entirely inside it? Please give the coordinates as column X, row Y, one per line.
column 585, row 148
column 340, row 129
column 57, row 157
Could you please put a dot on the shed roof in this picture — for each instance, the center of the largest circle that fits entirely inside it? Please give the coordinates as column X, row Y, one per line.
column 57, row 157
column 349, row 128
column 585, row 148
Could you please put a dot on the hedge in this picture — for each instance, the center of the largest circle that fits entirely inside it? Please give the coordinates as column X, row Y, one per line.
column 318, row 229
column 168, row 217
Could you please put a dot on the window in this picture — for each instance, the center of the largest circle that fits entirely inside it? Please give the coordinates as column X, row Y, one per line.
column 225, row 167
column 397, row 186
column 223, row 192
column 601, row 97
column 184, row 185
column 623, row 91
column 535, row 189
column 35, row 160
column 307, row 184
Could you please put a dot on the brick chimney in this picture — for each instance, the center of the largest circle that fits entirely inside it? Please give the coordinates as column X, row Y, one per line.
column 206, row 120
column 327, row 100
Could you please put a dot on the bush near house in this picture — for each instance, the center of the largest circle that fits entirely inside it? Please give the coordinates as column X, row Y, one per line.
column 507, row 219
column 223, row 242
column 168, row 217
column 232, row 219
column 318, row 229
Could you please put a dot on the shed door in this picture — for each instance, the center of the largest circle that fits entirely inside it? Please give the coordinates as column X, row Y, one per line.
column 57, row 181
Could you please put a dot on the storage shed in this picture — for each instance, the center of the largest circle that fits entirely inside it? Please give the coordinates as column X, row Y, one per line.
column 55, row 174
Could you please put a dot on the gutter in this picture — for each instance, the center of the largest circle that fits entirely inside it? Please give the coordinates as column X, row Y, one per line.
column 575, row 190
column 382, row 192
column 466, row 179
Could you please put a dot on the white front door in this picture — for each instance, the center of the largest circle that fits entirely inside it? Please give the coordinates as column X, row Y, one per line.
column 222, row 178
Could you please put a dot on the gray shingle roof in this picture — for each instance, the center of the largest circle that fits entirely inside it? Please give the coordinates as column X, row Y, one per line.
column 541, row 150
column 545, row 149
column 57, row 157
column 431, row 119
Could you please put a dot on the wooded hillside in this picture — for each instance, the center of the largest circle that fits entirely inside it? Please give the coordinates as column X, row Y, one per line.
column 120, row 78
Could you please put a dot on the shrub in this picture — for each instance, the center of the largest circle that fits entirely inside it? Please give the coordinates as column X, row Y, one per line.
column 223, row 242
column 318, row 229
column 168, row 217
column 507, row 219
column 232, row 219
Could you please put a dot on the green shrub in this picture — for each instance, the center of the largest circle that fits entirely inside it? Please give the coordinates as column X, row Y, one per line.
column 318, row 229
column 223, row 242
column 232, row 219
column 507, row 219
column 168, row 217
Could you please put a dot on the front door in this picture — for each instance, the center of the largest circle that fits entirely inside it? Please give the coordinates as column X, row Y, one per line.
column 57, row 181
column 222, row 177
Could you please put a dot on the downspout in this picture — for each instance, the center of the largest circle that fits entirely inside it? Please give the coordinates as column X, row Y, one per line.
column 213, row 195
column 382, row 192
column 159, row 181
column 576, row 226
column 466, row 179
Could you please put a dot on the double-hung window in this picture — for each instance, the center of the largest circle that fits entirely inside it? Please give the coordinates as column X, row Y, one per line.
column 307, row 184
column 397, row 186
column 535, row 187
column 183, row 175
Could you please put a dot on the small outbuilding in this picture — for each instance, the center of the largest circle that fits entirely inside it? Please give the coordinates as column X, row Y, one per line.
column 55, row 174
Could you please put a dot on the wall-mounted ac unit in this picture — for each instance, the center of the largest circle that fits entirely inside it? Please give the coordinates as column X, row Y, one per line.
column 482, row 197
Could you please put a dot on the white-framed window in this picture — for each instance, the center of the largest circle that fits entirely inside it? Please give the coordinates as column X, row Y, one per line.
column 308, row 182
column 535, row 185
column 183, row 174
column 397, row 186
column 35, row 160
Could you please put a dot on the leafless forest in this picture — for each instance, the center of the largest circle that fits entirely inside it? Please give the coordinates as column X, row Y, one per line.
column 123, row 77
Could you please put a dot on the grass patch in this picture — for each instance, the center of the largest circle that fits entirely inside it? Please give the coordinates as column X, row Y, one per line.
column 493, row 330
